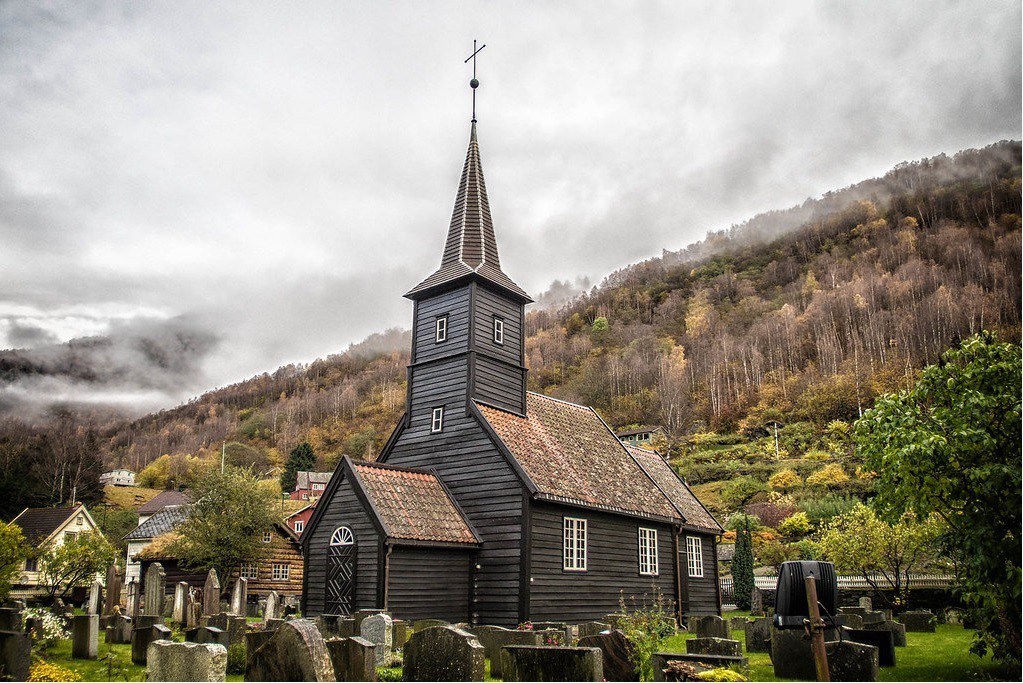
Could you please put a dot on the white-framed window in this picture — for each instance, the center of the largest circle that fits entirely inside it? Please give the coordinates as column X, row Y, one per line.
column 70, row 536
column 575, row 545
column 441, row 330
column 267, row 536
column 79, row 520
column 31, row 564
column 317, row 487
column 648, row 551
column 299, row 526
column 249, row 570
column 694, row 554
column 437, row 421
column 281, row 572
column 498, row 330
column 342, row 536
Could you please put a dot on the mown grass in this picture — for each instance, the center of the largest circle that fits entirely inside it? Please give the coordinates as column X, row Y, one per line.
column 128, row 497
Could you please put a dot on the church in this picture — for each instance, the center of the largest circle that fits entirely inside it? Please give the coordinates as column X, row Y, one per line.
column 490, row 504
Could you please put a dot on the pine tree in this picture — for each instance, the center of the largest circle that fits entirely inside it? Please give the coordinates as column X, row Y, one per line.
column 300, row 459
column 742, row 567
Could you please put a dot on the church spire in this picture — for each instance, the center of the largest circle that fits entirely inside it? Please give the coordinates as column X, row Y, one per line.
column 471, row 246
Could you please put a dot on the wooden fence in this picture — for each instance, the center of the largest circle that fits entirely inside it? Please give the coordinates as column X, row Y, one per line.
column 844, row 583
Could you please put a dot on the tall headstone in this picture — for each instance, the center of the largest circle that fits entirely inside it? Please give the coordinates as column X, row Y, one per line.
column 211, row 594
column 273, row 607
column 15, row 654
column 377, row 630
column 617, row 652
column 353, row 659
column 239, row 596
column 133, row 599
column 113, row 592
column 85, row 636
column 295, row 652
column 445, row 653
column 95, row 602
column 155, row 587
column 756, row 603
column 543, row 663
column 180, row 602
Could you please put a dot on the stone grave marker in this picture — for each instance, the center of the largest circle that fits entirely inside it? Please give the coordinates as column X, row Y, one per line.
column 791, row 654
column 326, row 624
column 346, row 627
column 85, row 636
column 361, row 614
column 854, row 610
column 592, row 628
column 143, row 634
column 758, row 635
column 239, row 597
column 133, row 598
column 660, row 660
column 852, row 620
column 616, row 653
column 113, row 590
column 493, row 638
column 884, row 641
column 15, row 654
column 444, row 653
column 95, row 602
column 918, row 622
column 400, row 633
column 420, row 624
column 873, row 618
column 295, row 652
column 211, row 594
column 714, row 646
column 10, row 619
column 756, row 603
column 376, row 629
column 710, row 626
column 272, row 609
column 253, row 641
column 119, row 629
column 547, row 663
column 155, row 586
column 211, row 634
column 851, row 661
column 167, row 661
column 866, row 604
column 180, row 602
column 353, row 659
column 233, row 626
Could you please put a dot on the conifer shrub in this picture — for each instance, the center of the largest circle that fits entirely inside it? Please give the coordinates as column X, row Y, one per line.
column 742, row 567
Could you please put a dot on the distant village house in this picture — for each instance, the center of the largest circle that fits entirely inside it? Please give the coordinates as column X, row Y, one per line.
column 310, row 485
column 117, row 478
column 640, row 435
column 43, row 527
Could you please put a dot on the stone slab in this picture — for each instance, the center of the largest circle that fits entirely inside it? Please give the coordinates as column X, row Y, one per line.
column 85, row 636
column 295, row 652
column 353, row 659
column 546, row 663
column 443, row 653
column 616, row 654
column 168, row 661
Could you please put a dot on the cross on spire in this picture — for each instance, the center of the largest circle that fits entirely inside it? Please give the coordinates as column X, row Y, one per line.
column 474, row 83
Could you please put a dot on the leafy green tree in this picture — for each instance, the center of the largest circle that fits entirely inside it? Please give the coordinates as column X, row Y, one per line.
column 742, row 490
column 229, row 513
column 301, row 459
column 75, row 562
column 951, row 446
column 12, row 553
column 861, row 542
column 742, row 567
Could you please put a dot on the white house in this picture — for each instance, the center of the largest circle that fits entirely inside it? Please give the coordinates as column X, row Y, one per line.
column 42, row 527
column 117, row 478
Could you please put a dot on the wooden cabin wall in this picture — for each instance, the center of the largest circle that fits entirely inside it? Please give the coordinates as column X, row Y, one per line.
column 343, row 509
column 429, row 583
column 612, row 566
column 700, row 594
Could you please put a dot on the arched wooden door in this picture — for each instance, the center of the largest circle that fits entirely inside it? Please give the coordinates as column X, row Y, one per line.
column 340, row 598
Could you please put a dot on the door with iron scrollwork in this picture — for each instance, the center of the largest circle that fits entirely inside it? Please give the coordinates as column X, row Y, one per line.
column 340, row 598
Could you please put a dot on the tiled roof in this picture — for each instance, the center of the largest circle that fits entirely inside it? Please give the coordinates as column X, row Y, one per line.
column 162, row 500
column 680, row 495
column 471, row 246
column 413, row 504
column 569, row 453
column 163, row 521
column 638, row 430
column 303, row 480
column 38, row 523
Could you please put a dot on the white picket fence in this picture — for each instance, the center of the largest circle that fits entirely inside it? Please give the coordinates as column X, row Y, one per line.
column 844, row 583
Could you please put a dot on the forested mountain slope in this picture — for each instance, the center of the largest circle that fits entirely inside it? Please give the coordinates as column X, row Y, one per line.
column 802, row 316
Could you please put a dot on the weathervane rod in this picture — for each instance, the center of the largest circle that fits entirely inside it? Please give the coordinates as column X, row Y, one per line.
column 474, row 83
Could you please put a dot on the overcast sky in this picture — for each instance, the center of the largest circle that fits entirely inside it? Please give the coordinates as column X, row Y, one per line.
column 272, row 177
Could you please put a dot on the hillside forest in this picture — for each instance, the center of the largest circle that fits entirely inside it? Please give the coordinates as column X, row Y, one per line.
column 755, row 348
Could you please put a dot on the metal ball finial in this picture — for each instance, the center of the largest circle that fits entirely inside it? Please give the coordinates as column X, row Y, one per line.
column 474, row 84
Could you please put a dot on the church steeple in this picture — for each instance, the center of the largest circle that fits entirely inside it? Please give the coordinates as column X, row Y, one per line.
column 470, row 251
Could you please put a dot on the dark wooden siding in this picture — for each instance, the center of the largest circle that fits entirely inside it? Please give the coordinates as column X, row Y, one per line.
column 429, row 583
column 455, row 304
column 700, row 593
column 343, row 509
column 612, row 566
column 488, row 304
column 479, row 478
column 499, row 384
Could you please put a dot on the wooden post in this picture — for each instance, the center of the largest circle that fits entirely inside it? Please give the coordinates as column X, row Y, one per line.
column 816, row 627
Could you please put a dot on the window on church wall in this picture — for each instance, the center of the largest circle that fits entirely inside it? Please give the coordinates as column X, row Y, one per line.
column 648, row 564
column 437, row 421
column 574, row 553
column 694, row 548
column 281, row 572
column 498, row 330
column 441, row 330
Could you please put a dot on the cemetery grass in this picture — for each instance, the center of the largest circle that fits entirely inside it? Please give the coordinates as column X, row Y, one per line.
column 119, row 668
column 941, row 656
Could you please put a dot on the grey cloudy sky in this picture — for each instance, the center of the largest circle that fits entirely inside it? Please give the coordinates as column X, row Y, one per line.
column 276, row 175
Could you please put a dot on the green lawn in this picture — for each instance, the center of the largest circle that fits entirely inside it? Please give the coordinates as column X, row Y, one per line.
column 114, row 663
column 941, row 656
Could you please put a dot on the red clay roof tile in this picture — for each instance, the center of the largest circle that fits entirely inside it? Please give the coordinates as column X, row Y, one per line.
column 676, row 490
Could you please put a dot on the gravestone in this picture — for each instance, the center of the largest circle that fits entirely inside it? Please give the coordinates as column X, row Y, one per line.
column 119, row 629
column 850, row 661
column 756, row 603
column 10, row 619
column 168, row 661
column 918, row 622
column 95, row 601
column 493, row 638
column 758, row 635
column 142, row 636
column 866, row 604
column 545, row 663
column 155, row 587
column 113, row 591
column 85, row 636
column 616, row 654
column 420, row 624
column 353, row 659
column 884, row 641
column 791, row 653
column 659, row 662
column 362, row 614
column 253, row 641
column 15, row 654
column 853, row 621
column 133, row 599
column 180, row 602
column 710, row 626
column 272, row 609
column 326, row 624
column 704, row 660
column 274, row 624
column 295, row 652
column 592, row 628
column 444, row 653
column 714, row 646
column 239, row 596
column 399, row 633
column 233, row 626
column 211, row 634
column 211, row 594
column 873, row 618
column 346, row 627
column 376, row 629
column 854, row 610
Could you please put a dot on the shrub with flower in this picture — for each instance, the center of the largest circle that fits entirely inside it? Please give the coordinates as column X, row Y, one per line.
column 54, row 627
